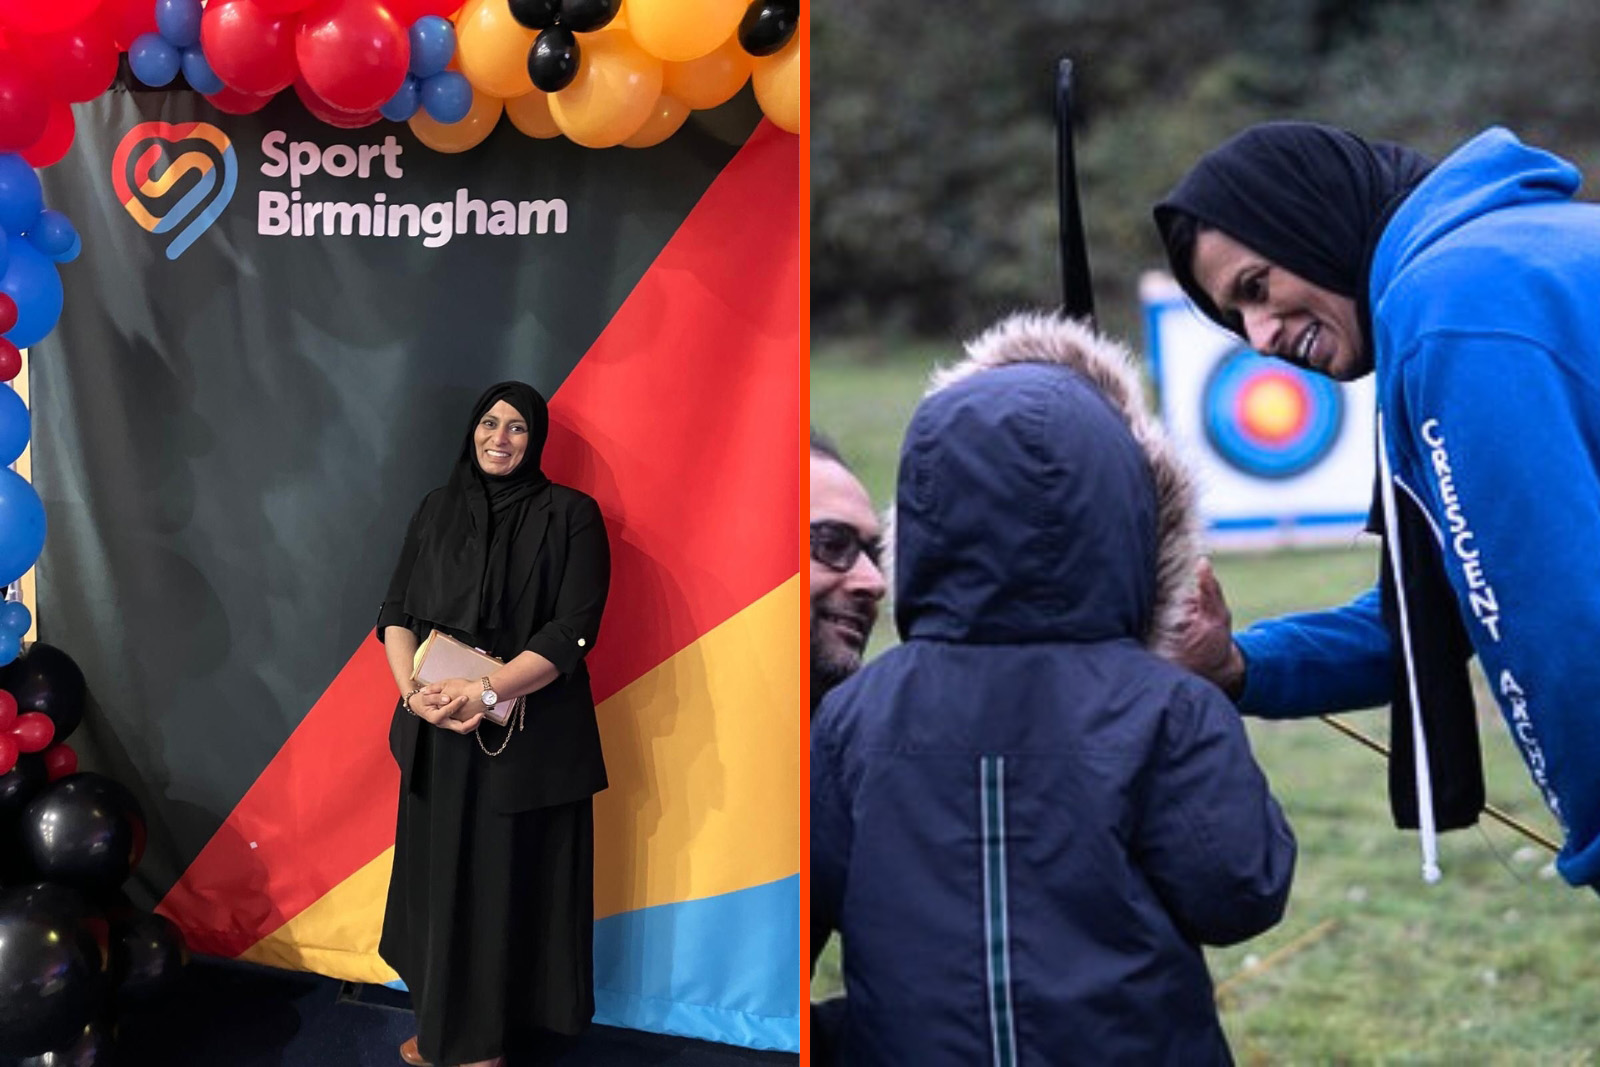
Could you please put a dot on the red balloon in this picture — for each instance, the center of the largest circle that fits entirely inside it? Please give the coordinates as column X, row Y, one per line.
column 57, row 136
column 8, row 312
column 10, row 358
column 128, row 19
column 8, row 753
column 59, row 761
column 251, row 50
column 233, row 102
column 321, row 109
column 33, row 731
column 408, row 11
column 284, row 7
column 43, row 16
column 353, row 53
column 77, row 63
column 24, row 109
column 8, row 711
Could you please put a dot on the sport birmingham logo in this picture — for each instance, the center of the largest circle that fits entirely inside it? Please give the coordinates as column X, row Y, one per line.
column 149, row 171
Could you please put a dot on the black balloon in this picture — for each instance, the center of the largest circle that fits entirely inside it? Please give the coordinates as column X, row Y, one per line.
column 94, row 1048
column 585, row 16
column 553, row 59
column 767, row 25
column 51, row 978
column 536, row 14
column 84, row 830
column 46, row 679
column 148, row 955
column 18, row 787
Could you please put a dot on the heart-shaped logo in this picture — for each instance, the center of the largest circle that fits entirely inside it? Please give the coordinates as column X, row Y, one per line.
column 175, row 178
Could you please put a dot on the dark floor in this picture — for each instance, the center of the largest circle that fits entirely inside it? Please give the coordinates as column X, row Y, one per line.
column 228, row 1014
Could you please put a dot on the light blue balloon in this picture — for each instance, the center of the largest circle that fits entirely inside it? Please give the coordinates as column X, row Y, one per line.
column 72, row 253
column 13, row 426
column 198, row 73
column 405, row 101
column 433, row 42
column 21, row 526
column 21, row 199
column 178, row 21
column 53, row 233
column 447, row 96
column 15, row 617
column 153, row 60
column 10, row 646
column 34, row 283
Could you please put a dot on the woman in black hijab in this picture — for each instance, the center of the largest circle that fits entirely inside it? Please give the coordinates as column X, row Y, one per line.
column 490, row 913
column 1468, row 287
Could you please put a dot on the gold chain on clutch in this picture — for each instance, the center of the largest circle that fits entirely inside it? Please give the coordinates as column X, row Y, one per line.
column 518, row 716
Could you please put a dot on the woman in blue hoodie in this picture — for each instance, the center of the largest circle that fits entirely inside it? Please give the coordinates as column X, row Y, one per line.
column 1472, row 289
column 1024, row 822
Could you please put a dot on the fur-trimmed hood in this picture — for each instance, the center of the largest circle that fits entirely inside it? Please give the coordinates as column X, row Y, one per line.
column 1038, row 498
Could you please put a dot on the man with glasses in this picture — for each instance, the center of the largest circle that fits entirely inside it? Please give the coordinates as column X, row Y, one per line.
column 846, row 583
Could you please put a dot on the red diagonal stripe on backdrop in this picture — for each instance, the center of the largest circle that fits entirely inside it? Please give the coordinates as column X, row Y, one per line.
column 681, row 420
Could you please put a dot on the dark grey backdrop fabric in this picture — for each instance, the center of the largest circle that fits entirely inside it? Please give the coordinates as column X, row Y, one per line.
column 229, row 444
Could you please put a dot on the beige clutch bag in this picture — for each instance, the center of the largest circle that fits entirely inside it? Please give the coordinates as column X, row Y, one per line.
column 441, row 656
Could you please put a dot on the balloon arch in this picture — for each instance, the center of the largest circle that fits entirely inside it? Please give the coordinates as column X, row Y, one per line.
column 601, row 73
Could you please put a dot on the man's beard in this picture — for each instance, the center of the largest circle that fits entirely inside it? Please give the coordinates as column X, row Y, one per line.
column 829, row 667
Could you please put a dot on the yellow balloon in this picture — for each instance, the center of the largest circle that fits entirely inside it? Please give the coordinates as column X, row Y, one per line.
column 664, row 120
column 710, row 80
column 777, row 82
column 531, row 114
column 460, row 136
column 615, row 89
column 492, row 48
column 681, row 30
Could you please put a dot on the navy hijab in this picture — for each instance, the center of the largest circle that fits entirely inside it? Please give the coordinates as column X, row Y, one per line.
column 459, row 580
column 1313, row 199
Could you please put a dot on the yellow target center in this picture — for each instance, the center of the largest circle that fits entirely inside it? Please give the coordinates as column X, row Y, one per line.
column 1274, row 409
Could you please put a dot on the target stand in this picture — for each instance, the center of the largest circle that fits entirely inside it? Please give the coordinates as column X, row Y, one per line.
column 1282, row 457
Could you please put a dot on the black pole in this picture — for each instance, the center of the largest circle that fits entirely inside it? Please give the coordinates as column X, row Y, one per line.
column 1076, row 286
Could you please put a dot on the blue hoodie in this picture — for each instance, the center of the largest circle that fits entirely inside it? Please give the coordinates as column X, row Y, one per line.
column 1023, row 822
column 1486, row 313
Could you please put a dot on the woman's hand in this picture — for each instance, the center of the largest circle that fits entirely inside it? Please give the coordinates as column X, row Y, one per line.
column 1205, row 644
column 443, row 704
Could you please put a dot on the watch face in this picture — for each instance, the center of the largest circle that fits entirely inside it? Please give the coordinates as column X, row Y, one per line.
column 490, row 698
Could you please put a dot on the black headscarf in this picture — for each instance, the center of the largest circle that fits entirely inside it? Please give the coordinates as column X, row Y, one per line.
column 459, row 578
column 1313, row 199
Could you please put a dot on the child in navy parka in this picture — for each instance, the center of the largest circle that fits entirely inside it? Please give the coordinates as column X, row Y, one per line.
column 1024, row 823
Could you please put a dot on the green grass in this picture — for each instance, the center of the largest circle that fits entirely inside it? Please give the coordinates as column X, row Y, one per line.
column 1497, row 964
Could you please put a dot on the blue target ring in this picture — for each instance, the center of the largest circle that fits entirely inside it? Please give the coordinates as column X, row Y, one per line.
column 1267, row 418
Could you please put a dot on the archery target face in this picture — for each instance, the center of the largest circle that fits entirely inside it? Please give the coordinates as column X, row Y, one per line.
column 1281, row 455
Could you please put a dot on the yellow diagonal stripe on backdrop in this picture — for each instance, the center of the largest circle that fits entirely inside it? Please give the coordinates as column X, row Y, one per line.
column 703, row 754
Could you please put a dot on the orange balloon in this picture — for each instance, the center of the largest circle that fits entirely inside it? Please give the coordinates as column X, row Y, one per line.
column 710, row 80
column 531, row 114
column 615, row 89
column 460, row 136
column 665, row 119
column 492, row 48
column 777, row 82
column 681, row 30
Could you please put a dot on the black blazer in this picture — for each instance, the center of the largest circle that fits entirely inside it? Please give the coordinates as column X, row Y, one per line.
column 562, row 562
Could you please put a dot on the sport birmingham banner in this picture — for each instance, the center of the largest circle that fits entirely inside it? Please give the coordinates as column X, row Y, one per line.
column 268, row 355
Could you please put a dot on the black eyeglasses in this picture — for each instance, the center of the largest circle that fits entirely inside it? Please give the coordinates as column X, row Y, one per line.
column 837, row 545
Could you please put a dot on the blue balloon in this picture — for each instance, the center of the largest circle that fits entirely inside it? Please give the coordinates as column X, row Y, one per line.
column 447, row 96
column 15, row 617
column 4, row 255
column 198, row 73
column 433, row 42
column 13, row 426
column 10, row 647
column 72, row 253
column 52, row 234
column 152, row 60
column 34, row 283
column 21, row 526
column 405, row 101
column 21, row 199
column 178, row 21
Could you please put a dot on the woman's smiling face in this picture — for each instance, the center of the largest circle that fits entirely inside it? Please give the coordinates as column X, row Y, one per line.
column 1281, row 313
column 501, row 439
